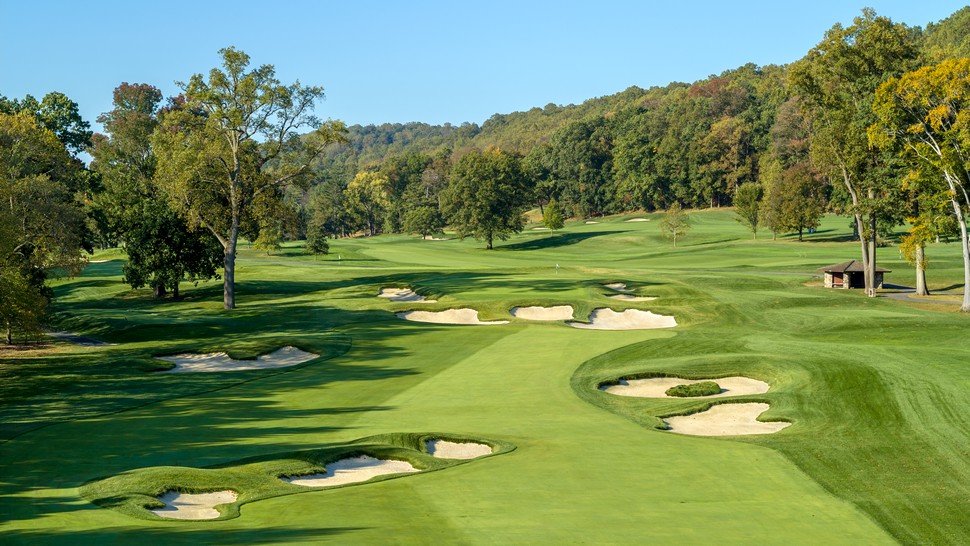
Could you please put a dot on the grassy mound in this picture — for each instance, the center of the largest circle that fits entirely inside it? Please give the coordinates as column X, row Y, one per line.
column 704, row 388
column 136, row 492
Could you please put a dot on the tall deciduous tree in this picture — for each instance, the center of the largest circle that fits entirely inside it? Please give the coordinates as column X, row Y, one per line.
column 926, row 112
column 837, row 81
column 235, row 142
column 487, row 195
column 162, row 249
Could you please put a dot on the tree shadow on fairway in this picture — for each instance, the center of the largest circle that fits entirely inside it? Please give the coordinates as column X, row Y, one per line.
column 556, row 240
column 179, row 533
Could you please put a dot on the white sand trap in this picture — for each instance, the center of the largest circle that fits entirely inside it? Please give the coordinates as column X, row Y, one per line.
column 451, row 316
column 591, row 222
column 444, row 449
column 617, row 286
column 656, row 387
column 638, row 220
column 403, row 294
column 557, row 312
column 539, row 228
column 725, row 420
column 220, row 362
column 631, row 319
column 628, row 297
column 355, row 470
column 193, row 505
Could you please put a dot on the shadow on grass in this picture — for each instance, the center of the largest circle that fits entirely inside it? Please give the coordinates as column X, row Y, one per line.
column 556, row 240
column 173, row 534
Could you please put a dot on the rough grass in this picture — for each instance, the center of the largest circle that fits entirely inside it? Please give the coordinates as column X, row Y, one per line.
column 875, row 389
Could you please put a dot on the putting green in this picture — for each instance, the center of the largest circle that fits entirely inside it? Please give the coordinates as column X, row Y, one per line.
column 870, row 395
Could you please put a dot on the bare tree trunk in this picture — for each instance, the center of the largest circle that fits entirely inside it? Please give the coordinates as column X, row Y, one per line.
column 9, row 333
column 955, row 185
column 175, row 291
column 229, row 269
column 158, row 291
column 921, row 272
column 871, row 269
column 961, row 219
column 859, row 221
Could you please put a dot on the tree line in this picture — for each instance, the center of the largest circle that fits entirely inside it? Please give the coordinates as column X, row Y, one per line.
column 869, row 124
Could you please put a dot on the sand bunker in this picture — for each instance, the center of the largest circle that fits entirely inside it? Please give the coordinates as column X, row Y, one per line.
column 558, row 312
column 725, row 420
column 638, row 220
column 591, row 222
column 444, row 449
column 656, row 387
column 451, row 316
column 631, row 319
column 539, row 228
column 628, row 297
column 193, row 505
column 617, row 286
column 404, row 295
column 354, row 470
column 220, row 362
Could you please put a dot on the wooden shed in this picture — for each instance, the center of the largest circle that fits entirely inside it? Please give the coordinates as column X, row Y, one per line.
column 850, row 274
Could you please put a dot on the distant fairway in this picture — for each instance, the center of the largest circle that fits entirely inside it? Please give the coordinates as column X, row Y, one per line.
column 877, row 392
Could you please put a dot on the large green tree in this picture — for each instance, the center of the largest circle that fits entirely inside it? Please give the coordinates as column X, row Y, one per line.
column 487, row 195
column 837, row 81
column 927, row 113
column 235, row 142
column 41, row 224
column 162, row 249
column 57, row 113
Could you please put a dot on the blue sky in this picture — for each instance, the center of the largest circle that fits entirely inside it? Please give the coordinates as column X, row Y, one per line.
column 414, row 61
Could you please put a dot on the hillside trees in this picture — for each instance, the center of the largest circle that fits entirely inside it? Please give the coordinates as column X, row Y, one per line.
column 580, row 165
column 487, row 195
column 236, row 142
column 837, row 81
column 162, row 249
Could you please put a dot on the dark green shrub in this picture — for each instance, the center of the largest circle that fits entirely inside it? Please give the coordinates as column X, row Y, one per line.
column 704, row 388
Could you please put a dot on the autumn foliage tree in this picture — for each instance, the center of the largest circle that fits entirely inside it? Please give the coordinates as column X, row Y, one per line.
column 927, row 113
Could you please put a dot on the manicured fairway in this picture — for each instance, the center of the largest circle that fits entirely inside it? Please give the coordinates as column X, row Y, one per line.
column 878, row 452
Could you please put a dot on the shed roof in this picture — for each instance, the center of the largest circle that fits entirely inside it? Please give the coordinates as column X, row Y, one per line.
column 851, row 266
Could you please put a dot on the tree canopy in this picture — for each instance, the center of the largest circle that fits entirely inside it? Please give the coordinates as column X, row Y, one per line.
column 236, row 142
